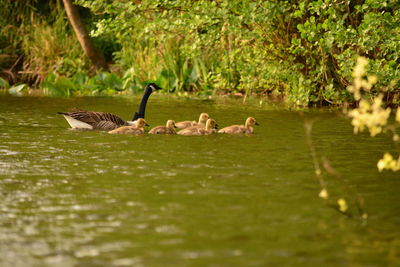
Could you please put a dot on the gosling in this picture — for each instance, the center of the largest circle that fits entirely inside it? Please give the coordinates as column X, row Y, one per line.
column 185, row 124
column 210, row 128
column 168, row 129
column 241, row 129
column 138, row 129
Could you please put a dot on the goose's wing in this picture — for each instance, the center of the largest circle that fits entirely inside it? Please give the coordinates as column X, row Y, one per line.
column 127, row 130
column 120, row 130
column 190, row 131
column 158, row 130
column 105, row 125
column 93, row 118
column 184, row 124
column 162, row 130
column 233, row 129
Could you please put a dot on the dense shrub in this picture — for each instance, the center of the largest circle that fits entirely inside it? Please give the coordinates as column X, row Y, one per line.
column 304, row 50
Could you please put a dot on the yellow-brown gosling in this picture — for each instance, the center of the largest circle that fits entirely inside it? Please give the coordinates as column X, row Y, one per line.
column 168, row 129
column 185, row 124
column 247, row 128
column 210, row 128
column 138, row 129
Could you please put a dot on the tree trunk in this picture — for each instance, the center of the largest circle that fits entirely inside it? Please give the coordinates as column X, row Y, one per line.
column 83, row 37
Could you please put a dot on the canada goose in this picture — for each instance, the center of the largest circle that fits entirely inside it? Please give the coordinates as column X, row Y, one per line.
column 91, row 120
column 209, row 129
column 138, row 129
column 185, row 124
column 168, row 129
column 241, row 129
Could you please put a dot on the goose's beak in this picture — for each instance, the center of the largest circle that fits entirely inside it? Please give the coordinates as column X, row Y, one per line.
column 146, row 124
column 257, row 123
column 216, row 126
column 153, row 87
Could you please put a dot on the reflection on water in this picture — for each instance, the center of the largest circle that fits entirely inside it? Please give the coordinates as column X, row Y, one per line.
column 72, row 198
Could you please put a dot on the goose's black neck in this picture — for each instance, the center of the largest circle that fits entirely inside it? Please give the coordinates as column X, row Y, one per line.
column 142, row 106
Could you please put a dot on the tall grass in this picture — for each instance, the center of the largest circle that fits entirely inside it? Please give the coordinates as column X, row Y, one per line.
column 164, row 63
column 46, row 42
column 51, row 49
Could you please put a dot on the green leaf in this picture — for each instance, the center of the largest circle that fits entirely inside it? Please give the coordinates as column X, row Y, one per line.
column 3, row 83
column 18, row 89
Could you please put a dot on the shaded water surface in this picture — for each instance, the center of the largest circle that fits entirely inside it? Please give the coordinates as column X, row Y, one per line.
column 70, row 198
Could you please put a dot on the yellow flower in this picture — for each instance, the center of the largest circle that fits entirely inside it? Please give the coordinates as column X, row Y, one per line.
column 364, row 105
column 342, row 205
column 387, row 157
column 323, row 194
column 359, row 69
column 372, row 79
column 398, row 115
column 381, row 165
column 388, row 163
column 374, row 130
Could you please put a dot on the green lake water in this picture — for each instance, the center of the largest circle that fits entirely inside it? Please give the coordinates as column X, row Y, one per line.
column 86, row 198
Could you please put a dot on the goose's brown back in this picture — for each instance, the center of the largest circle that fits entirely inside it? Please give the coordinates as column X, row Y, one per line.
column 98, row 120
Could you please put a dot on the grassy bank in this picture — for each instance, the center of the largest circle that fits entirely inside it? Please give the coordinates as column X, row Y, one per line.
column 301, row 51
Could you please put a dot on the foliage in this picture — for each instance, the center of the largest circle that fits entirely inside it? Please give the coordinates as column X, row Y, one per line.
column 3, row 83
column 370, row 114
column 302, row 49
column 18, row 89
column 103, row 83
column 39, row 31
column 333, row 197
column 50, row 50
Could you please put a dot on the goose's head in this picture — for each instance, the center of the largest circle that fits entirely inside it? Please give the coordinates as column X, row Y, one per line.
column 171, row 124
column 203, row 118
column 153, row 87
column 211, row 124
column 140, row 123
column 251, row 122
